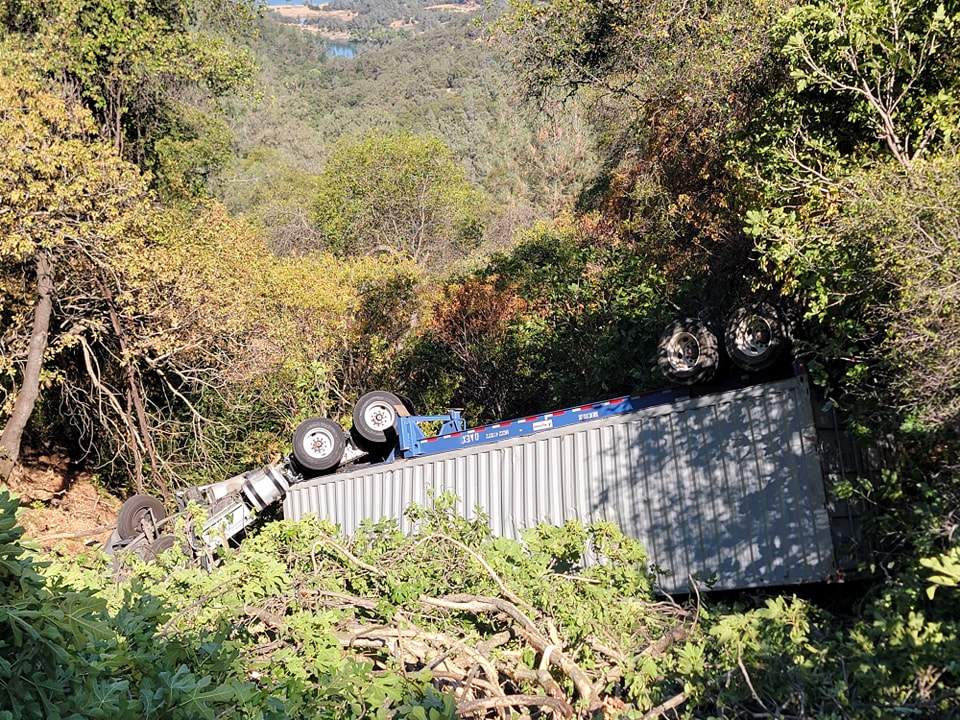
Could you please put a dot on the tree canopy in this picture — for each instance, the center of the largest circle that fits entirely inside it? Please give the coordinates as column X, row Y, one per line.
column 142, row 69
column 854, row 217
column 69, row 205
column 396, row 194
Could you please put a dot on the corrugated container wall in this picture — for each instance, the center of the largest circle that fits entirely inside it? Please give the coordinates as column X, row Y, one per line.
column 726, row 487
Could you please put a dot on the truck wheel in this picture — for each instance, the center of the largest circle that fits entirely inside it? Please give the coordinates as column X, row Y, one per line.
column 152, row 552
column 408, row 404
column 164, row 542
column 134, row 511
column 688, row 352
column 755, row 336
column 374, row 416
column 318, row 444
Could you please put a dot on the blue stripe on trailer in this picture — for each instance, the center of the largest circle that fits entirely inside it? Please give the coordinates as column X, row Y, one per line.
column 413, row 443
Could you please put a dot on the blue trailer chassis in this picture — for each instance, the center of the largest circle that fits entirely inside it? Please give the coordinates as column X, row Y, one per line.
column 453, row 433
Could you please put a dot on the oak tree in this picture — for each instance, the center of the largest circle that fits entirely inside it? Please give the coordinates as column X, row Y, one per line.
column 398, row 194
column 145, row 70
column 67, row 204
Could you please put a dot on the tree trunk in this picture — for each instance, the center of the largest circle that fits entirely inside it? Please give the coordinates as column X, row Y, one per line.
column 135, row 401
column 30, row 388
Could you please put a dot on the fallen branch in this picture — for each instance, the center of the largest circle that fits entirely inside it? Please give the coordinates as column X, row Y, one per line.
column 527, row 629
column 475, row 707
column 595, row 644
column 662, row 709
column 340, row 601
column 481, row 604
column 417, row 646
column 271, row 620
column 76, row 536
column 329, row 541
column 507, row 593
column 671, row 637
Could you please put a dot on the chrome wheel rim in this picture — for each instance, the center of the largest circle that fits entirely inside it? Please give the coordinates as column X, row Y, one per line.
column 318, row 443
column 379, row 416
column 754, row 336
column 684, row 352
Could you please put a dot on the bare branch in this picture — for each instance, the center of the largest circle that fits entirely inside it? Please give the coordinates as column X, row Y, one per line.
column 475, row 707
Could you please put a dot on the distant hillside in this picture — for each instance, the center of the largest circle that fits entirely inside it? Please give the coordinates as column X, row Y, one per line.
column 439, row 76
column 363, row 15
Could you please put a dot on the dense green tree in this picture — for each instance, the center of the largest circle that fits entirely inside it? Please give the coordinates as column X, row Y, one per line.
column 858, row 156
column 853, row 171
column 143, row 69
column 672, row 75
column 888, row 64
column 241, row 345
column 397, row 194
column 564, row 315
column 667, row 87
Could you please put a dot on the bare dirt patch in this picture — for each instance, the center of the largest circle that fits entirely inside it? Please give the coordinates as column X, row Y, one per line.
column 466, row 8
column 303, row 12
column 62, row 509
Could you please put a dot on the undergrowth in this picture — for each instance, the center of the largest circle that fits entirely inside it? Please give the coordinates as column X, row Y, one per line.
column 300, row 622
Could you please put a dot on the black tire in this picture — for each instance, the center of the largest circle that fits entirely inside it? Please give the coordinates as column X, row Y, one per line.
column 375, row 416
column 688, row 352
column 318, row 445
column 152, row 552
column 755, row 336
column 408, row 404
column 134, row 511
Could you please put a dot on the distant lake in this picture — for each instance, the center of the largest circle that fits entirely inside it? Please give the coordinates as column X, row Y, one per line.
column 346, row 50
column 335, row 48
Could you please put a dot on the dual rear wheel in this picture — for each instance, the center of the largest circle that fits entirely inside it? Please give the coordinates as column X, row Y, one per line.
column 319, row 443
column 688, row 352
column 754, row 336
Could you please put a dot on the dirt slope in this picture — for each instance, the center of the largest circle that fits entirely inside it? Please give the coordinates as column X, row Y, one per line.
column 62, row 509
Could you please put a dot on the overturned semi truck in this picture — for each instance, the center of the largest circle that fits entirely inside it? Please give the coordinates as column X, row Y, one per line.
column 728, row 485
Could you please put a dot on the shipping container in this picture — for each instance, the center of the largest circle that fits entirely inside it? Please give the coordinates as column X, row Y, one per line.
column 729, row 488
